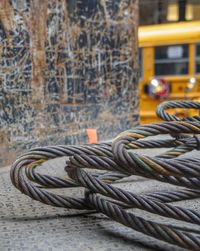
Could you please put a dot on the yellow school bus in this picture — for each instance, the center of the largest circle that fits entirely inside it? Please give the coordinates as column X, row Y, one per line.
column 169, row 59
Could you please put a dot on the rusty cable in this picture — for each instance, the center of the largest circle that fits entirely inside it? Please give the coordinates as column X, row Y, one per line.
column 117, row 160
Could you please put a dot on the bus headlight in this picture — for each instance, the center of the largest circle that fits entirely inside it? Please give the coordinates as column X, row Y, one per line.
column 158, row 88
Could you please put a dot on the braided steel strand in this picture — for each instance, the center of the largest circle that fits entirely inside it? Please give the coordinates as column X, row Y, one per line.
column 172, row 196
column 124, row 157
column 171, row 211
column 174, row 235
column 183, row 238
column 37, row 193
column 59, row 151
column 24, row 189
column 53, row 182
column 39, row 155
column 187, row 104
column 50, row 198
column 120, row 144
column 85, row 161
column 151, row 206
column 136, row 201
column 165, row 167
column 168, row 196
column 56, row 182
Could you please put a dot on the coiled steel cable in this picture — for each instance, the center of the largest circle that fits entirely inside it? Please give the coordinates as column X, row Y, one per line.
column 118, row 160
column 186, row 104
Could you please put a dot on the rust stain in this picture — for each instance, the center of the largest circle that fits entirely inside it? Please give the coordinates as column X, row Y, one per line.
column 7, row 17
column 37, row 29
column 65, row 29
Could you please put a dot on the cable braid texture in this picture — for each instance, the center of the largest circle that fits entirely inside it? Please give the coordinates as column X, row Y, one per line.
column 117, row 160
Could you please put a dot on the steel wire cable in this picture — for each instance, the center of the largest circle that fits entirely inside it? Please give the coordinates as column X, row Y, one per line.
column 118, row 160
column 186, row 104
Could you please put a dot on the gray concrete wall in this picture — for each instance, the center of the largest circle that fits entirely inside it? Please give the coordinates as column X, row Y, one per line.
column 66, row 66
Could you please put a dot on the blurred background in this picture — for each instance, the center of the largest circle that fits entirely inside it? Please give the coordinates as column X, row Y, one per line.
column 168, row 11
column 169, row 54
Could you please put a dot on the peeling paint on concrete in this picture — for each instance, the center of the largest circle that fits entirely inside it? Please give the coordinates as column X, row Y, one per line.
column 66, row 66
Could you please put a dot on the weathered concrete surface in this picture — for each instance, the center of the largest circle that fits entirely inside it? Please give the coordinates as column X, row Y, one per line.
column 66, row 66
column 29, row 225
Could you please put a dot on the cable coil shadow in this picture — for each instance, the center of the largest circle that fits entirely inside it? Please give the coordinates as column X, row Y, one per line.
column 119, row 160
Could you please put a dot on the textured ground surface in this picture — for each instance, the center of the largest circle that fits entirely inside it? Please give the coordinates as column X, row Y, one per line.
column 30, row 225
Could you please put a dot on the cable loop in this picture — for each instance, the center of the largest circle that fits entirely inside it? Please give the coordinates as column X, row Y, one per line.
column 118, row 160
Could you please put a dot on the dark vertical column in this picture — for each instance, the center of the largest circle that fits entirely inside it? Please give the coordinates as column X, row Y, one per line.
column 160, row 11
column 182, row 9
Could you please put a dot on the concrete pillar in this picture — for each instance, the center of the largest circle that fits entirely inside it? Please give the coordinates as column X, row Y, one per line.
column 66, row 66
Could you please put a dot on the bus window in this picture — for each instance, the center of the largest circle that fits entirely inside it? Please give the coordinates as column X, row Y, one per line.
column 171, row 60
column 198, row 58
column 140, row 64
